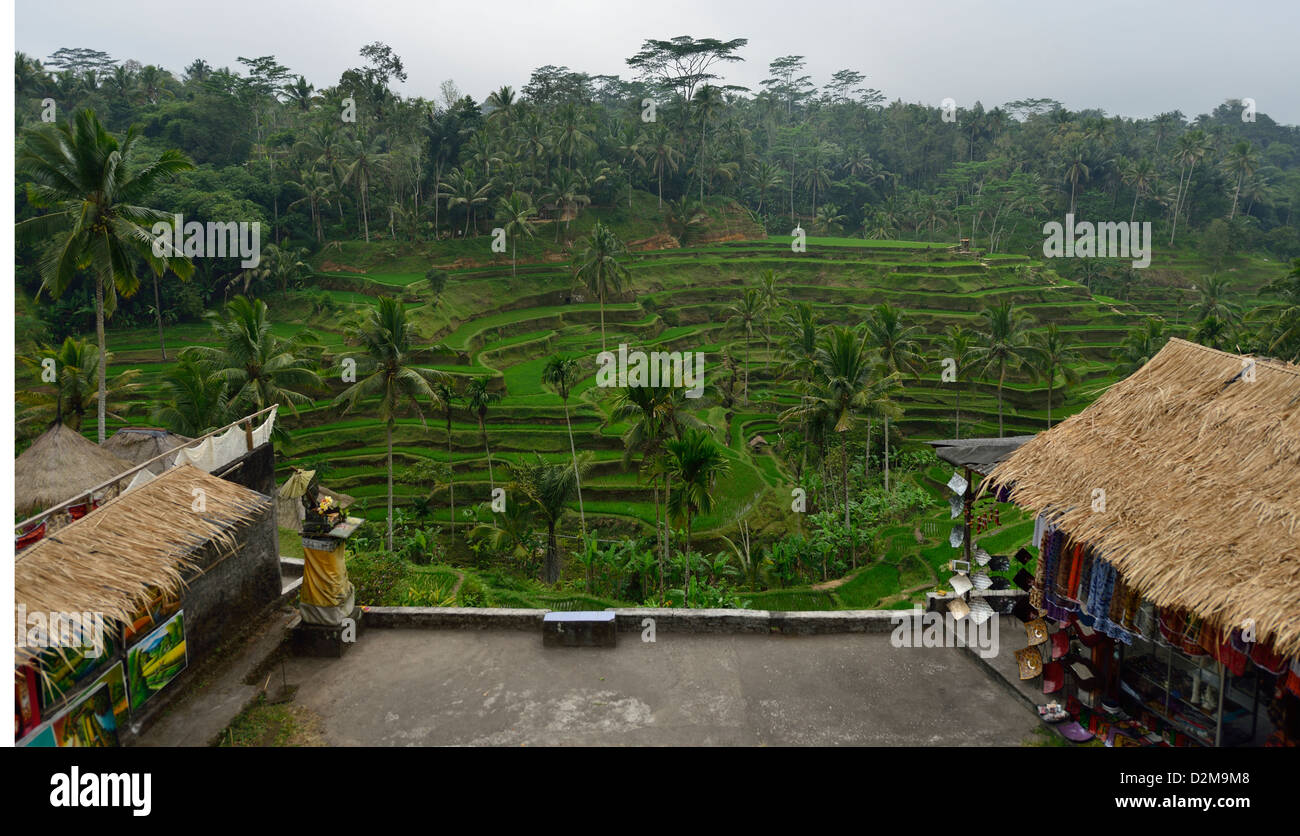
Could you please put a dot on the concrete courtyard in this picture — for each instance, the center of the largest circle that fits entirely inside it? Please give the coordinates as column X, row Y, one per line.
column 414, row 687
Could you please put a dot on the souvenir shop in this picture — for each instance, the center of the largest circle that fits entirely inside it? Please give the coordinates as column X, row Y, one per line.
column 1163, row 607
column 1133, row 673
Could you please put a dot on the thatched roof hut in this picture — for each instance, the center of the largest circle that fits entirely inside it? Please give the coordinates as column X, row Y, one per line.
column 134, row 546
column 138, row 445
column 1198, row 454
column 60, row 464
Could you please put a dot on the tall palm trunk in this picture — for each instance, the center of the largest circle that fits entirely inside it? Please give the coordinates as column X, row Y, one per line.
column 686, row 590
column 103, row 363
column 482, row 428
column 390, row 484
column 577, row 478
column 886, row 452
column 157, row 306
column 844, row 449
column 451, row 476
column 659, row 535
column 552, row 554
column 668, row 500
column 1051, row 378
column 1001, row 376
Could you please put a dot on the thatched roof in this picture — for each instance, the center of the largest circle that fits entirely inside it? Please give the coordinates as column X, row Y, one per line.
column 144, row 541
column 60, row 464
column 1201, row 473
column 140, row 444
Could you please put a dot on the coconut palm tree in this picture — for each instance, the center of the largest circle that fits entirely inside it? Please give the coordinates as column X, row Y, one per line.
column 96, row 227
column 260, row 368
column 598, row 267
column 696, row 462
column 1142, row 176
column 1003, row 345
column 364, row 159
column 744, row 314
column 550, row 488
column 661, row 155
column 956, row 344
column 1049, row 350
column 74, row 390
column 459, row 190
column 1140, row 345
column 387, row 339
column 195, row 399
column 644, row 407
column 1190, row 148
column 516, row 212
column 478, row 398
column 562, row 373
column 1212, row 300
column 898, row 348
column 770, row 297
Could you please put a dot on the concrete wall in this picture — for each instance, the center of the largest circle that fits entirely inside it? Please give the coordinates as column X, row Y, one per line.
column 233, row 586
column 668, row 620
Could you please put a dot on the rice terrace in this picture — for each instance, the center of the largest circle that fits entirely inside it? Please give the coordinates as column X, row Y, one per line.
column 728, row 342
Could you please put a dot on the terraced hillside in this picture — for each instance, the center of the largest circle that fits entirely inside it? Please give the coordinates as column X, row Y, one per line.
column 504, row 323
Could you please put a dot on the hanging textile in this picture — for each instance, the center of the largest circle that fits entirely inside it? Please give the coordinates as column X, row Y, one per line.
column 144, row 477
column 262, row 434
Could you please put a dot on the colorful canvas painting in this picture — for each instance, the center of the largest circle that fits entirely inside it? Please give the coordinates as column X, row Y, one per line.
column 88, row 722
column 68, row 667
column 155, row 612
column 155, row 661
column 115, row 679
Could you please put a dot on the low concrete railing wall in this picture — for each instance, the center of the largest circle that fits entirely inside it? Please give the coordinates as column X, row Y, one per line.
column 670, row 620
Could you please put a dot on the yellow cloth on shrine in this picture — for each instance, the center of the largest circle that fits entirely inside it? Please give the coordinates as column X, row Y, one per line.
column 324, row 577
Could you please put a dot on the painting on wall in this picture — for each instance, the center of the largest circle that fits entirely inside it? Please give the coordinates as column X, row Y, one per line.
column 88, row 722
column 155, row 661
column 157, row 610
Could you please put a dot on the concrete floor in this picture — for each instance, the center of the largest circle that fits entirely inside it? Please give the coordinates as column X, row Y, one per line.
column 410, row 687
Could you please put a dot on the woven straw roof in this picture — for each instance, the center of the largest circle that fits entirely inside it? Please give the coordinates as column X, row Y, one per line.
column 113, row 559
column 138, row 445
column 60, row 464
column 1201, row 473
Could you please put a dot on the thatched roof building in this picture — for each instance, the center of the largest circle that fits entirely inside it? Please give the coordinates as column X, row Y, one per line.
column 114, row 560
column 138, row 445
column 60, row 464
column 1198, row 455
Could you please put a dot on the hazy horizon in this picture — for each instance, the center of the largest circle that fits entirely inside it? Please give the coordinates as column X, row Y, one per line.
column 1010, row 50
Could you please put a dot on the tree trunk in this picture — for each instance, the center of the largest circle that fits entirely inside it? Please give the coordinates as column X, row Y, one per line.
column 157, row 306
column 886, row 453
column 686, row 589
column 451, row 476
column 582, row 515
column 103, row 362
column 487, row 449
column 390, row 484
column 552, row 554
column 848, row 525
column 659, row 535
column 668, row 499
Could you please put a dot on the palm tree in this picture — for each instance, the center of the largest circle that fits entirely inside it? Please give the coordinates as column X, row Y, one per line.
column 94, row 187
column 1211, row 299
column 563, row 373
column 550, row 488
column 644, row 406
column 76, row 363
column 446, row 395
column 195, row 399
column 459, row 190
column 1140, row 345
column 1189, row 149
column 516, row 211
column 1049, row 351
column 478, row 398
column 387, row 339
column 770, row 297
column 662, row 155
column 899, row 349
column 956, row 344
column 743, row 315
column 365, row 158
column 260, row 368
column 1142, row 176
column 1003, row 344
column 696, row 462
column 597, row 266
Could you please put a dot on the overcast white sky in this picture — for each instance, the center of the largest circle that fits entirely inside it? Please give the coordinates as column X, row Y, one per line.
column 1128, row 57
